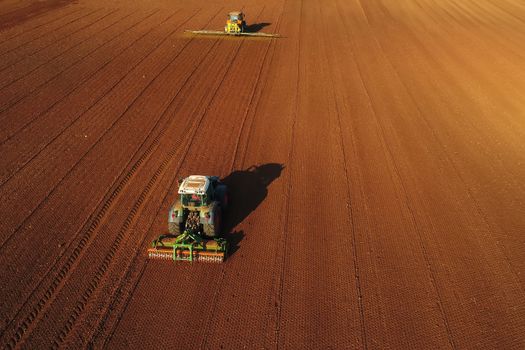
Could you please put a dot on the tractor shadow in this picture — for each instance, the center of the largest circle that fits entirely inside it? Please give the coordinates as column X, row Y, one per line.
column 247, row 189
column 256, row 27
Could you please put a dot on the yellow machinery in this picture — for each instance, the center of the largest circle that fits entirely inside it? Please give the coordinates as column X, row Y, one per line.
column 235, row 23
column 236, row 26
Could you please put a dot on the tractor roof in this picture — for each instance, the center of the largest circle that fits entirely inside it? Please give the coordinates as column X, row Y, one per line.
column 235, row 13
column 194, row 184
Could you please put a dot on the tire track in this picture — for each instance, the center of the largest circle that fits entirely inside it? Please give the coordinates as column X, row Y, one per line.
column 419, row 164
column 137, row 65
column 224, row 87
column 6, row 239
column 195, row 163
column 382, row 135
column 63, row 273
column 350, row 205
column 19, row 117
column 130, row 270
column 47, row 126
column 251, row 110
column 492, row 143
column 138, row 252
column 128, row 223
column 267, row 139
column 316, row 284
column 8, row 9
column 84, row 240
column 283, row 239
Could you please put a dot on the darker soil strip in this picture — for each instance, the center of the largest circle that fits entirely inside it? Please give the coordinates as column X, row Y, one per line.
column 24, row 14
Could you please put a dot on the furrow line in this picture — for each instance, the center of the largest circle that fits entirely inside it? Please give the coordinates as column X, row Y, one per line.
column 503, row 9
column 17, row 96
column 84, row 241
column 45, row 34
column 251, row 107
column 283, row 242
column 75, row 229
column 6, row 240
column 256, row 95
column 413, row 220
column 130, row 220
column 357, row 273
column 447, row 158
column 22, row 11
column 23, row 162
column 127, row 279
column 18, row 58
column 88, row 37
column 56, row 17
column 109, row 257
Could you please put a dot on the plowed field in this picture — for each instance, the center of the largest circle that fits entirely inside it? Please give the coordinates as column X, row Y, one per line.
column 375, row 157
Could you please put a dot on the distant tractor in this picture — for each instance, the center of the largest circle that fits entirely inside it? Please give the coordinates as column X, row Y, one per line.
column 235, row 23
column 195, row 222
column 235, row 26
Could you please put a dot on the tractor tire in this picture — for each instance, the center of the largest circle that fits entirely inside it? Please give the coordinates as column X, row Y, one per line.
column 214, row 230
column 174, row 228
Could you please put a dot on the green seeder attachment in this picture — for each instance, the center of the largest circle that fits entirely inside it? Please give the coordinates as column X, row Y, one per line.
column 188, row 246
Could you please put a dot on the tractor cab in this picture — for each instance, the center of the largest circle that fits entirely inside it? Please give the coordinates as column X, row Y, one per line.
column 235, row 23
column 194, row 200
column 194, row 191
column 236, row 17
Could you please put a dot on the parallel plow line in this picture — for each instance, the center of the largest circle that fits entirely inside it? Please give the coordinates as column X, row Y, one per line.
column 46, row 33
column 129, row 222
column 17, row 58
column 5, row 34
column 94, row 223
column 52, row 190
column 249, row 113
column 120, row 301
column 17, row 100
column 120, row 236
column 84, row 30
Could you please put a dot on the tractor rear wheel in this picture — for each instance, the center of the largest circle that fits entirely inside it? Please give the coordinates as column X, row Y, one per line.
column 174, row 228
column 214, row 229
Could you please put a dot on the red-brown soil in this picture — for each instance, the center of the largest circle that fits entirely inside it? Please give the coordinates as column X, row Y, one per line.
column 15, row 12
column 374, row 154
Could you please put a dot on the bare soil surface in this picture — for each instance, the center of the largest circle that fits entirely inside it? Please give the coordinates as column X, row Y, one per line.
column 15, row 12
column 374, row 156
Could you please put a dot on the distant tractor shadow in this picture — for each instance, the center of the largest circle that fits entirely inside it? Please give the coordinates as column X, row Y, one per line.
column 256, row 27
column 247, row 189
